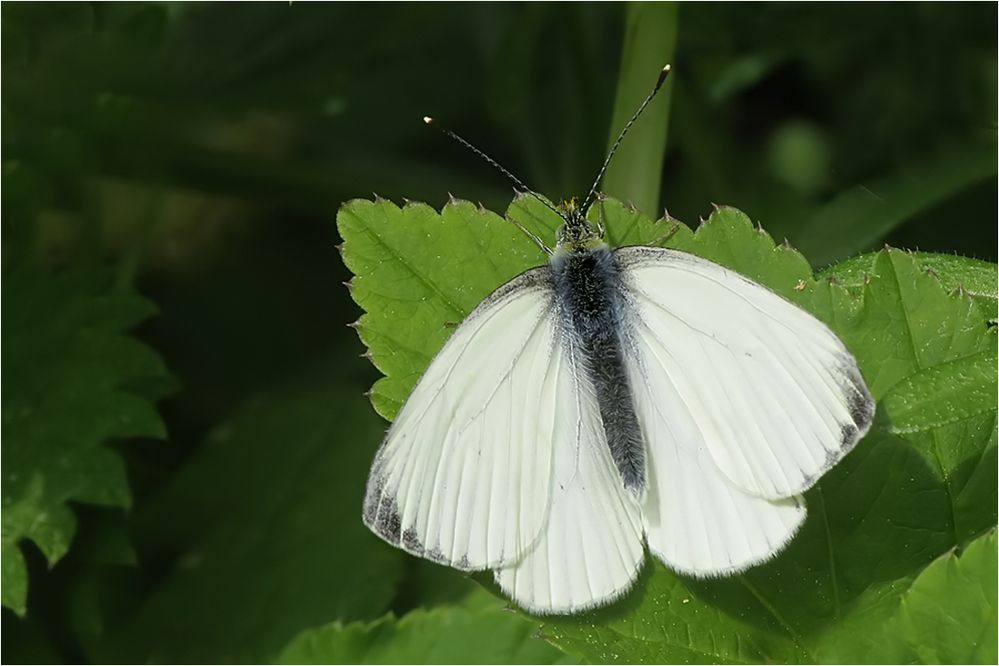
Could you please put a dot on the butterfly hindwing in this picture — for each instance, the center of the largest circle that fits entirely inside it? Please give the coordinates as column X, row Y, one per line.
column 463, row 476
column 696, row 521
column 590, row 550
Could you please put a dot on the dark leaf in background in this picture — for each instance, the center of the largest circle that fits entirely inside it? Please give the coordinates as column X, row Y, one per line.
column 74, row 381
column 266, row 521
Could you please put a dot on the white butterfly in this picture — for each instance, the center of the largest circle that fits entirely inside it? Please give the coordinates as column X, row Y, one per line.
column 610, row 400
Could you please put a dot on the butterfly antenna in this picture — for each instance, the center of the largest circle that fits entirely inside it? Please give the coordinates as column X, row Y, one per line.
column 659, row 84
column 516, row 181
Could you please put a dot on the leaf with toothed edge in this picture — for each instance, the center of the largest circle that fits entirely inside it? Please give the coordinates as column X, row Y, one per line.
column 417, row 273
column 477, row 631
column 74, row 381
column 878, row 519
column 978, row 278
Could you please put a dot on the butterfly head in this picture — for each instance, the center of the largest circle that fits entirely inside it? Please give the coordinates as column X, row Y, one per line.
column 576, row 234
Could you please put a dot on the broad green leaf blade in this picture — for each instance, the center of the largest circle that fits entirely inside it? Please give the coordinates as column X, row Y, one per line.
column 73, row 381
column 939, row 631
column 876, row 520
column 669, row 619
column 910, row 323
column 944, row 394
column 862, row 216
column 271, row 551
column 944, row 615
column 635, row 173
column 482, row 634
column 976, row 277
column 916, row 322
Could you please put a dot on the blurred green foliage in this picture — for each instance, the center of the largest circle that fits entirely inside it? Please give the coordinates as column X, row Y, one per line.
column 196, row 154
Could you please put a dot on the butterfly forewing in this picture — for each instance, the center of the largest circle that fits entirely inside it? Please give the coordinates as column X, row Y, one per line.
column 464, row 474
column 775, row 397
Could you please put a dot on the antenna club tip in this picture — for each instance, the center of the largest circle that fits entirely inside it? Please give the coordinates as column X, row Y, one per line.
column 428, row 120
column 663, row 74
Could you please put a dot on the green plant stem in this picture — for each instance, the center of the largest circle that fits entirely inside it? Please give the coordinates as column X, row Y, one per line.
column 635, row 175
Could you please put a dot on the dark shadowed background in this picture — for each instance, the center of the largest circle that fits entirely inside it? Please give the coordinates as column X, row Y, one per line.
column 197, row 154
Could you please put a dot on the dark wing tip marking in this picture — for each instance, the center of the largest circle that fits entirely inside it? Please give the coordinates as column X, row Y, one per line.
column 383, row 518
column 381, row 512
column 861, row 404
column 381, row 515
column 411, row 542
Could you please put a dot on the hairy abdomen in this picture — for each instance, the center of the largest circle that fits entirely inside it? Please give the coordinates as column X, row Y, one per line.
column 588, row 293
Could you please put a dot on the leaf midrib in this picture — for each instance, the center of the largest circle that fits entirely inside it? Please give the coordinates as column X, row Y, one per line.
column 933, row 433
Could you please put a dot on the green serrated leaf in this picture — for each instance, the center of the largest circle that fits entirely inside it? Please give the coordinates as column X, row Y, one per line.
column 974, row 276
column 948, row 616
column 275, row 549
column 878, row 518
column 635, row 174
column 439, row 266
column 73, row 380
column 477, row 633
